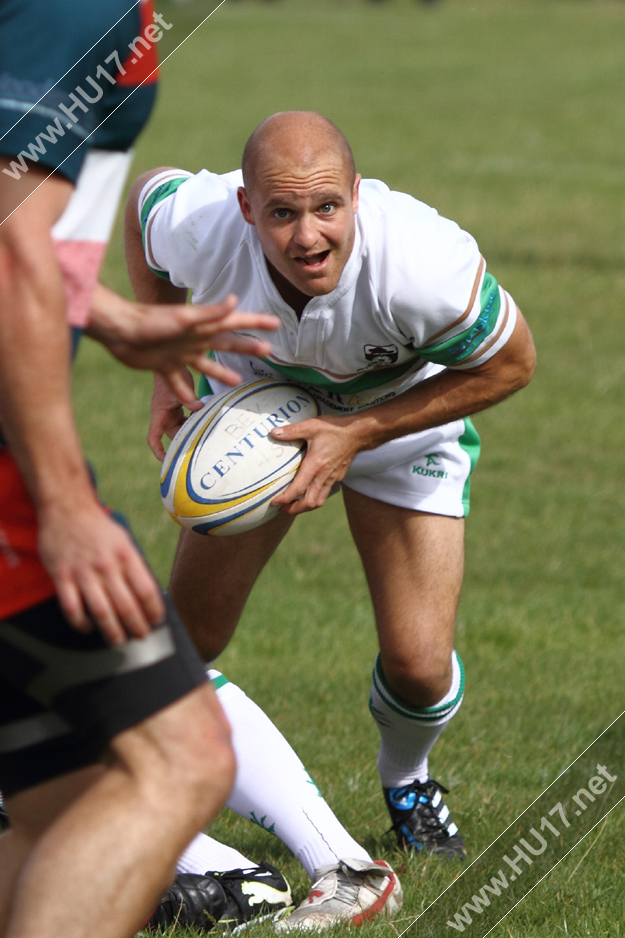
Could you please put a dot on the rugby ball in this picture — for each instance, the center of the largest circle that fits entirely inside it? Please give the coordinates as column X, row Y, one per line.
column 223, row 468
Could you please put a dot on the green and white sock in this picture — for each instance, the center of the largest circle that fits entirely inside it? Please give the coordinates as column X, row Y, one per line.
column 408, row 733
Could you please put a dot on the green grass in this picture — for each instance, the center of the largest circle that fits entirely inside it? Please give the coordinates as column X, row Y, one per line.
column 508, row 117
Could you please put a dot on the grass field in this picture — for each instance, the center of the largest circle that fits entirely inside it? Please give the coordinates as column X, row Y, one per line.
column 507, row 115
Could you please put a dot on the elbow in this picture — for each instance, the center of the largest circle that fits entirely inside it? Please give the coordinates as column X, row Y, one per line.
column 518, row 375
column 522, row 365
column 525, row 368
column 515, row 374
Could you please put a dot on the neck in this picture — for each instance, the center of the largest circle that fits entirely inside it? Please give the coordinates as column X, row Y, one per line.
column 290, row 294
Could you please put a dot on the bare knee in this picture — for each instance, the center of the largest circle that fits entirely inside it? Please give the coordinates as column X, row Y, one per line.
column 421, row 680
column 209, row 643
column 183, row 756
column 199, row 754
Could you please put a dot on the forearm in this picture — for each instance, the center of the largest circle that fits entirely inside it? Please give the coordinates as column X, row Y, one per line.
column 450, row 395
column 98, row 574
column 35, row 409
column 333, row 442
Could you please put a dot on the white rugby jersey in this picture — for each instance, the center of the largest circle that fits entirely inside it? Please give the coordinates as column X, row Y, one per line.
column 414, row 296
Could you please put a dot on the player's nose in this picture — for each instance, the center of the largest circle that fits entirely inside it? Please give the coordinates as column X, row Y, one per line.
column 306, row 234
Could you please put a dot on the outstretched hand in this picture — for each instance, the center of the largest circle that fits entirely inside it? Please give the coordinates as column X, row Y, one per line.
column 168, row 338
column 332, row 443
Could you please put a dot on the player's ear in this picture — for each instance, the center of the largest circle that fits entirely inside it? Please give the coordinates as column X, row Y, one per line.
column 244, row 205
column 357, row 179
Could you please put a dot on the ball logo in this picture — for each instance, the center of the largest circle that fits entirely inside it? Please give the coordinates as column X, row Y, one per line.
column 250, row 443
column 223, row 467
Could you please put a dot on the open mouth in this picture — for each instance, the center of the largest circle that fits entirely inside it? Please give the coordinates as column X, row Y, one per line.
column 312, row 261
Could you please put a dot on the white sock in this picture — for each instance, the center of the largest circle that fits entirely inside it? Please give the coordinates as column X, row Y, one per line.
column 274, row 790
column 204, row 855
column 408, row 733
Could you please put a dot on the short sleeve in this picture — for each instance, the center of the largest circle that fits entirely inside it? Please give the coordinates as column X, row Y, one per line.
column 192, row 227
column 446, row 303
column 480, row 332
column 155, row 209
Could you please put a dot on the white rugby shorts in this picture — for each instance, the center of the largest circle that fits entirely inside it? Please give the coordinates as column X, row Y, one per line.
column 428, row 471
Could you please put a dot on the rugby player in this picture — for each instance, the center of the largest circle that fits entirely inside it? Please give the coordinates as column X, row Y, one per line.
column 104, row 705
column 390, row 318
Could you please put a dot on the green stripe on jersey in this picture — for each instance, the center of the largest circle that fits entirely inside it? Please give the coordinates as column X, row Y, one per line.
column 471, row 444
column 363, row 382
column 219, row 681
column 456, row 350
column 161, row 192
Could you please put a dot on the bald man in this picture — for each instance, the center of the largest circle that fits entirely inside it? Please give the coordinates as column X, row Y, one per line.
column 391, row 320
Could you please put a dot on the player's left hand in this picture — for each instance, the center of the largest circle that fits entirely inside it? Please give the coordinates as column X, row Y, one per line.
column 166, row 413
column 332, row 444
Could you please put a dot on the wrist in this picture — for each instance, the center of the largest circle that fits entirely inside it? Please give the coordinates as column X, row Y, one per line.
column 365, row 429
column 65, row 493
column 112, row 318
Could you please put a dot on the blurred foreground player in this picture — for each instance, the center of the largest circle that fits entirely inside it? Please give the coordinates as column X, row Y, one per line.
column 391, row 320
column 104, row 705
column 217, row 883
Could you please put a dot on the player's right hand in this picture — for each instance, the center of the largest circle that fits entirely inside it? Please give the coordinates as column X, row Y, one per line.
column 100, row 577
column 168, row 338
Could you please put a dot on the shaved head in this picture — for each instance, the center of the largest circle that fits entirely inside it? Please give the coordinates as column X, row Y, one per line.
column 301, row 194
column 300, row 138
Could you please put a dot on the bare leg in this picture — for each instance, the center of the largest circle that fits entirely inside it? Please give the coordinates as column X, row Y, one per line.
column 414, row 565
column 213, row 577
column 100, row 865
column 39, row 806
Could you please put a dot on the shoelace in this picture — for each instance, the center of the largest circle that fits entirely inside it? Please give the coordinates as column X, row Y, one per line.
column 347, row 886
column 226, row 881
column 426, row 810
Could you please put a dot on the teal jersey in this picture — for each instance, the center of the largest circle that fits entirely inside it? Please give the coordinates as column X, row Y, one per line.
column 73, row 76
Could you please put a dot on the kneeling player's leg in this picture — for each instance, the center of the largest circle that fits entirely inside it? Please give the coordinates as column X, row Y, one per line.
column 103, row 863
column 205, row 854
column 414, row 565
column 273, row 788
column 212, row 578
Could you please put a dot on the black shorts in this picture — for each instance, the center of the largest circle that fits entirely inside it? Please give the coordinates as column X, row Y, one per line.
column 64, row 695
